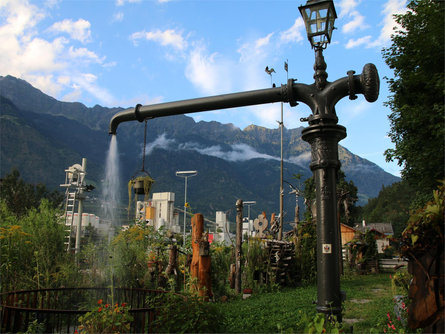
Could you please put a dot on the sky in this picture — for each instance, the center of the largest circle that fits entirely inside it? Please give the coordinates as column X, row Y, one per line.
column 117, row 53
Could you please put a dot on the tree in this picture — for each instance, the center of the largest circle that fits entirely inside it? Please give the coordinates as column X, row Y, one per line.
column 20, row 196
column 392, row 205
column 417, row 100
column 32, row 252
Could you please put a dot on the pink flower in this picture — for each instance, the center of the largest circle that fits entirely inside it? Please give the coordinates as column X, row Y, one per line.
column 389, row 317
column 393, row 327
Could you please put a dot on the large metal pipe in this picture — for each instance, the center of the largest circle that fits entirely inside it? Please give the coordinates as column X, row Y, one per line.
column 225, row 101
column 320, row 102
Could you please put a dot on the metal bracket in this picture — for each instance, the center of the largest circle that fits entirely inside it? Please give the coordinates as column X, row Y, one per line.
column 290, row 93
column 137, row 112
column 351, row 85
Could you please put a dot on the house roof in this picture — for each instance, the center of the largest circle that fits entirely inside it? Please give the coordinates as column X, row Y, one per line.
column 346, row 227
column 384, row 228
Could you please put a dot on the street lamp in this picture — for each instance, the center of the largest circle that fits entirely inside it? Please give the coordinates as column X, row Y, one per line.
column 249, row 203
column 323, row 134
column 186, row 174
column 319, row 17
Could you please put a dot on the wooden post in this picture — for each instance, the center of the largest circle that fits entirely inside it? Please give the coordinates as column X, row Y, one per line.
column 201, row 261
column 197, row 229
column 204, row 277
column 239, row 239
column 172, row 268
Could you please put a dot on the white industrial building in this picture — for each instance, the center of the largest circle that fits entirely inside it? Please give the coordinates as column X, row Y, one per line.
column 222, row 233
column 159, row 211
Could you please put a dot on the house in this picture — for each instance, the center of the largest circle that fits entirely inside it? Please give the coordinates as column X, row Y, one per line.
column 347, row 234
column 384, row 232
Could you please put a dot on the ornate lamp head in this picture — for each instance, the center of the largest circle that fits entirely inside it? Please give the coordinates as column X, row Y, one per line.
column 319, row 17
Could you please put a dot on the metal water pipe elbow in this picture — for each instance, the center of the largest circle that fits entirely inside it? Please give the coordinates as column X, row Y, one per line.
column 130, row 114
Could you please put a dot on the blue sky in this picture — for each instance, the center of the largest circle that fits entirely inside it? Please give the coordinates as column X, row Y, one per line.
column 123, row 52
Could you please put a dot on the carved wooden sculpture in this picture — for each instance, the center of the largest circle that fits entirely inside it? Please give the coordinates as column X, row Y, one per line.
column 201, row 261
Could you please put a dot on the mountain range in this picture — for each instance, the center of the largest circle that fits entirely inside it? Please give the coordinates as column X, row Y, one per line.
column 41, row 137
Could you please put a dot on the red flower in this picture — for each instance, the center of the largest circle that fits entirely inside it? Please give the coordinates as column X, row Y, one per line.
column 124, row 304
column 75, row 331
column 389, row 317
column 107, row 305
column 100, row 301
column 100, row 309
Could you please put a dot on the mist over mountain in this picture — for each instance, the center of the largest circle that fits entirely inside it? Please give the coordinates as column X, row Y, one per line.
column 41, row 137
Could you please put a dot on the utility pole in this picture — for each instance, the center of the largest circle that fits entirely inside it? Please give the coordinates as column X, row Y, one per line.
column 80, row 208
column 280, row 233
column 239, row 240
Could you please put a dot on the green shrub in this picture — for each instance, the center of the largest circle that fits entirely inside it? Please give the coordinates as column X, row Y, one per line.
column 184, row 314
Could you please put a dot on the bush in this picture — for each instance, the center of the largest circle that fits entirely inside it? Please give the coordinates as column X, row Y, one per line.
column 185, row 314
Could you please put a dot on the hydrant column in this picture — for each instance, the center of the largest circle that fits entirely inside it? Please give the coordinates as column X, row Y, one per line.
column 324, row 138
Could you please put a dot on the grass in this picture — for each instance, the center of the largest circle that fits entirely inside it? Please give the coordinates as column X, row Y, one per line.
column 368, row 299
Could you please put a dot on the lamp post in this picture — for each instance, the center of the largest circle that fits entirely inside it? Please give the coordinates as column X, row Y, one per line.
column 249, row 204
column 323, row 134
column 185, row 174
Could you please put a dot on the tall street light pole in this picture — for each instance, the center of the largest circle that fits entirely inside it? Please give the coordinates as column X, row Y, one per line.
column 323, row 134
column 249, row 204
column 185, row 174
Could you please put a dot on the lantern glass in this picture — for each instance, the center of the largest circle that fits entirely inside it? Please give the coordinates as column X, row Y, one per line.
column 319, row 17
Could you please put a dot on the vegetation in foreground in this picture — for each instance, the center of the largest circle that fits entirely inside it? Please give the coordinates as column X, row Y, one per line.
column 370, row 298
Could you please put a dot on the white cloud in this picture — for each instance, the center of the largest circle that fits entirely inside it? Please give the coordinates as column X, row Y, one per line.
column 352, row 43
column 355, row 110
column 85, row 54
column 239, row 152
column 161, row 142
column 118, row 17
column 294, row 33
column 88, row 82
column 236, row 153
column 78, row 30
column 54, row 66
column 302, row 160
column 346, row 7
column 167, row 37
column 390, row 8
column 357, row 22
column 122, row 2
column 210, row 73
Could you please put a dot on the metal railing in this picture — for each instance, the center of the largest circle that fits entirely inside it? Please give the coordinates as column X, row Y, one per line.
column 59, row 309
